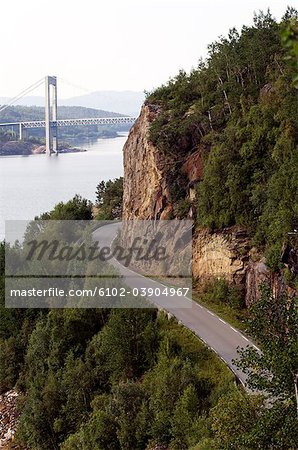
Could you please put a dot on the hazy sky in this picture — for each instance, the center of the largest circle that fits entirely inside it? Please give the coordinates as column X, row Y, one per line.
column 113, row 44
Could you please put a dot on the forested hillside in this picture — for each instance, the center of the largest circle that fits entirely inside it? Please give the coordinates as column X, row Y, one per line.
column 18, row 113
column 239, row 108
column 124, row 379
column 108, row 379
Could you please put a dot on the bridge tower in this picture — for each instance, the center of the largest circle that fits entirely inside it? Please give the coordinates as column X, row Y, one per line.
column 51, row 122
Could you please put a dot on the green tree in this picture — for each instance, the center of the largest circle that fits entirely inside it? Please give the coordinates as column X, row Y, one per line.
column 275, row 325
column 127, row 342
column 109, row 197
column 77, row 208
column 289, row 35
column 232, row 420
column 99, row 433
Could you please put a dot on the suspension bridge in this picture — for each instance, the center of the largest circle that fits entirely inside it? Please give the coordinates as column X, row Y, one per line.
column 51, row 122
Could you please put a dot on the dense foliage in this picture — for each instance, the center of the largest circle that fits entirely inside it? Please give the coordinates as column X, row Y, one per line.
column 117, row 380
column 290, row 42
column 219, row 291
column 109, row 198
column 6, row 135
column 108, row 379
column 240, row 109
column 77, row 208
column 133, row 379
column 274, row 324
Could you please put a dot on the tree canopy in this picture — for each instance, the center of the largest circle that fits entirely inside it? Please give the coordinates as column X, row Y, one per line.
column 240, row 109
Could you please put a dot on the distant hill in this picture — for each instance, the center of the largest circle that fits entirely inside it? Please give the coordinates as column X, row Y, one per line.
column 17, row 113
column 123, row 102
column 27, row 113
column 26, row 101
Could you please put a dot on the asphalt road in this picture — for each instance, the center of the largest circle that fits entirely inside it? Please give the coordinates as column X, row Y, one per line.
column 220, row 336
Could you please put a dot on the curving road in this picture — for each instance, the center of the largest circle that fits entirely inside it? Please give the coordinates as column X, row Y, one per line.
column 220, row 336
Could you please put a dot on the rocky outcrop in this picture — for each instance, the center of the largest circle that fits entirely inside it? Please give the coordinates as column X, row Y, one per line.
column 194, row 167
column 9, row 415
column 256, row 273
column 146, row 193
column 147, row 188
column 148, row 173
column 147, row 196
column 221, row 255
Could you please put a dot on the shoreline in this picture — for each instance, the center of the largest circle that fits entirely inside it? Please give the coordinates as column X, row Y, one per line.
column 16, row 148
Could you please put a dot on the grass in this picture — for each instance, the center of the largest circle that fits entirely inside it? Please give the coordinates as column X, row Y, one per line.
column 210, row 297
column 215, row 296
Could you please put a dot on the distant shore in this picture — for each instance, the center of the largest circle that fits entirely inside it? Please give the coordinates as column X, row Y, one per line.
column 18, row 148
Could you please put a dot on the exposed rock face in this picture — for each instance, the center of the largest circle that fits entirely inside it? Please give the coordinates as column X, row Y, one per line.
column 9, row 415
column 256, row 274
column 193, row 166
column 267, row 91
column 225, row 254
column 221, row 255
column 146, row 194
column 147, row 172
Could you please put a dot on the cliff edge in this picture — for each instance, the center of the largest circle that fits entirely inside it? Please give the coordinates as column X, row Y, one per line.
column 225, row 254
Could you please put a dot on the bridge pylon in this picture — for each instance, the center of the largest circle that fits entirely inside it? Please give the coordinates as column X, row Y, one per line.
column 21, row 131
column 51, row 122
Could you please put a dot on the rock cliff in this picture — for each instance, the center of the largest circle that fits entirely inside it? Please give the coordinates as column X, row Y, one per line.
column 146, row 193
column 221, row 254
column 147, row 188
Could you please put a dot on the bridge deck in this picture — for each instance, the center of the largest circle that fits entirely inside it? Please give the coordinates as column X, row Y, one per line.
column 71, row 122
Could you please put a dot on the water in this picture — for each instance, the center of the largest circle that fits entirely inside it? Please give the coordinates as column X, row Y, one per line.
column 31, row 185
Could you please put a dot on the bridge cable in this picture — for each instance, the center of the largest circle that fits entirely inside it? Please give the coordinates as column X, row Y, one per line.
column 22, row 94
column 69, row 83
column 32, row 86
